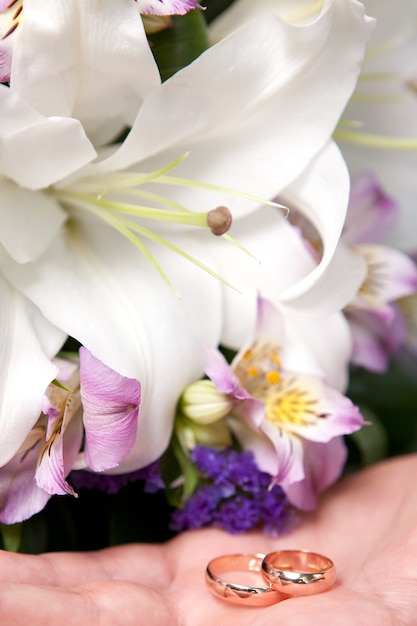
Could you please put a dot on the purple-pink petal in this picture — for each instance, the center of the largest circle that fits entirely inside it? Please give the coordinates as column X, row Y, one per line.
column 340, row 417
column 167, row 7
column 391, row 275
column 20, row 496
column 58, row 458
column 323, row 464
column 372, row 213
column 375, row 339
column 5, row 64
column 226, row 381
column 110, row 412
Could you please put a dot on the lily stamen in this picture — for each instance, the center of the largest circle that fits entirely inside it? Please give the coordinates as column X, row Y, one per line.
column 93, row 194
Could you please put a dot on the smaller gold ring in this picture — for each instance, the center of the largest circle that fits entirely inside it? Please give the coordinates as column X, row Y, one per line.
column 298, row 572
column 236, row 593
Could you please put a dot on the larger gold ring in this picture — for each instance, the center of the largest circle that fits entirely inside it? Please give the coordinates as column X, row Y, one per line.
column 233, row 592
column 298, row 572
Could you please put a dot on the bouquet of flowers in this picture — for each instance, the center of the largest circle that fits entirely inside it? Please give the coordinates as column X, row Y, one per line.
column 207, row 275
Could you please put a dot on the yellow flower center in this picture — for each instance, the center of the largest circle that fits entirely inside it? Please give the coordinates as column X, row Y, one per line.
column 290, row 401
column 289, row 404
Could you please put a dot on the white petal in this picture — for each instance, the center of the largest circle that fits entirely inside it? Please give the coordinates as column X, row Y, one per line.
column 386, row 105
column 240, row 108
column 114, row 303
column 241, row 11
column 279, row 260
column 29, row 221
column 26, row 370
column 88, row 59
column 322, row 194
column 37, row 151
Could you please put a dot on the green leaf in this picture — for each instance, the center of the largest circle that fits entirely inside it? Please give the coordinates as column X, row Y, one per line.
column 392, row 397
column 11, row 536
column 372, row 440
column 176, row 47
column 188, row 470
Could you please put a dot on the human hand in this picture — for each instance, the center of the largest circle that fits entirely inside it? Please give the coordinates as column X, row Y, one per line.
column 367, row 525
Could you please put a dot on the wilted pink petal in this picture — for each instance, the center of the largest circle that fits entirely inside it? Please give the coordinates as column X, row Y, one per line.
column 110, row 412
column 57, row 457
column 20, row 496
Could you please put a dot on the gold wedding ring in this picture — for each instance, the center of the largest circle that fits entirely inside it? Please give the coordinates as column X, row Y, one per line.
column 298, row 572
column 237, row 593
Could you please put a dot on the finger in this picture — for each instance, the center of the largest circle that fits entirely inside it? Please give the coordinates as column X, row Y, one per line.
column 102, row 604
column 136, row 563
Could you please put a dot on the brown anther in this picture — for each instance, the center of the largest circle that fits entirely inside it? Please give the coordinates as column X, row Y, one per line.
column 412, row 84
column 219, row 220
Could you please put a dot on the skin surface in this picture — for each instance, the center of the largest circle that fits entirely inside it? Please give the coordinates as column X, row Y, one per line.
column 367, row 525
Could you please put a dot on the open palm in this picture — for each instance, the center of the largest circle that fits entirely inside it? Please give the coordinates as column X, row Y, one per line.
column 367, row 525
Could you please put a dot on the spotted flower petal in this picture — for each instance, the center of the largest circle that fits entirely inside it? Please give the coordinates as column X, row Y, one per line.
column 298, row 408
column 167, row 7
column 391, row 275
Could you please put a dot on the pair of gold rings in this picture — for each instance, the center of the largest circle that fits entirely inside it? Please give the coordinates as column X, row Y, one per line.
column 286, row 573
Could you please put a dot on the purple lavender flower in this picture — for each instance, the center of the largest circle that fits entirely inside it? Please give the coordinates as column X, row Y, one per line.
column 234, row 495
column 111, row 484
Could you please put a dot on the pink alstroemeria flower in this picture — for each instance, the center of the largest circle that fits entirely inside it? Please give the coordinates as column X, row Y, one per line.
column 377, row 326
column 292, row 421
column 167, row 7
column 95, row 408
column 10, row 16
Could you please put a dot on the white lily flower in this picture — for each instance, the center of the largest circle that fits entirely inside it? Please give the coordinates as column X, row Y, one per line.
column 79, row 76
column 380, row 130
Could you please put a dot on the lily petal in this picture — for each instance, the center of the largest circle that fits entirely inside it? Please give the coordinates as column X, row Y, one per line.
column 25, row 368
column 103, row 77
column 322, row 193
column 111, row 288
column 31, row 145
column 30, row 220
column 241, row 11
column 110, row 413
column 257, row 151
